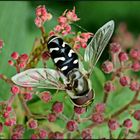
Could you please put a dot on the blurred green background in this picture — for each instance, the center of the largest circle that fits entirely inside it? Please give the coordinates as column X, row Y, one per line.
column 18, row 31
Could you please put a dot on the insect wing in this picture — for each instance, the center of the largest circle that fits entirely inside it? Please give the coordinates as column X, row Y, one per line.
column 39, row 78
column 98, row 44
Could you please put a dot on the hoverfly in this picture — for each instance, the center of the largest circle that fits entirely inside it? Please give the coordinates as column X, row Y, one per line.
column 71, row 75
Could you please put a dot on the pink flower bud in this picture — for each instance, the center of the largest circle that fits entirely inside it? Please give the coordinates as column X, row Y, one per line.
column 22, row 65
column 27, row 96
column 84, row 45
column 100, row 107
column 128, row 123
column 123, row 56
column 32, row 124
column 34, row 137
column 10, row 121
column 51, row 117
column 109, row 87
column 124, row 80
column 24, row 57
column 68, row 28
column 58, row 107
column 46, row 96
column 40, row 10
column 71, row 16
column 45, row 55
column 97, row 117
column 107, row 66
column 10, row 62
column 113, row 124
column 16, row 136
column 72, row 125
column 136, row 66
column 137, row 115
column 79, row 110
column 135, row 54
column 1, row 43
column 15, row 55
column 134, row 86
column 42, row 134
column 56, row 135
column 58, row 28
column 38, row 22
column 86, row 134
column 8, row 108
column 6, row 114
column 86, row 36
column 62, row 20
column 15, row 89
column 115, row 48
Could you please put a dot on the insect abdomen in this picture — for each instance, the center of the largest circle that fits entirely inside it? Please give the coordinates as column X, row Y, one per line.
column 63, row 56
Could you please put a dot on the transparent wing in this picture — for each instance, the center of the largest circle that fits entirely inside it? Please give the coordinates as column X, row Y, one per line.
column 98, row 44
column 39, row 78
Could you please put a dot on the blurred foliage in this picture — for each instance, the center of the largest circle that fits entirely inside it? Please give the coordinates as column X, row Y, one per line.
column 18, row 31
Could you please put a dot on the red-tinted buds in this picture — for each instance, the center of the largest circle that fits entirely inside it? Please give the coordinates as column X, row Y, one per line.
column 134, row 86
column 56, row 135
column 135, row 54
column 128, row 123
column 100, row 107
column 15, row 55
column 123, row 56
column 15, row 89
column 124, row 80
column 97, row 117
column 137, row 115
column 42, row 133
column 115, row 48
column 113, row 124
column 136, row 66
column 72, row 125
column 109, row 87
column 79, row 110
column 51, row 117
column 46, row 96
column 86, row 134
column 32, row 124
column 57, row 107
column 107, row 66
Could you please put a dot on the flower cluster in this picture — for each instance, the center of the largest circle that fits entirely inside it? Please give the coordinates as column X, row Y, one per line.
column 41, row 16
column 18, row 61
column 63, row 28
column 42, row 114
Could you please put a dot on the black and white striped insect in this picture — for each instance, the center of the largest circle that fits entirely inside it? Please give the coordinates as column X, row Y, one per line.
column 70, row 75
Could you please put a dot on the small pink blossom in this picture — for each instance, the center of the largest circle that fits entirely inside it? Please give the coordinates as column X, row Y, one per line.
column 22, row 65
column 32, row 124
column 62, row 20
column 15, row 55
column 38, row 22
column 71, row 15
column 58, row 28
column 10, row 62
column 15, row 89
column 41, row 16
column 24, row 57
column 10, row 121
column 123, row 56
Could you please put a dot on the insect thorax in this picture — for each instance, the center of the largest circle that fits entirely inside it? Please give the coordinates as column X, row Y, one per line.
column 63, row 56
